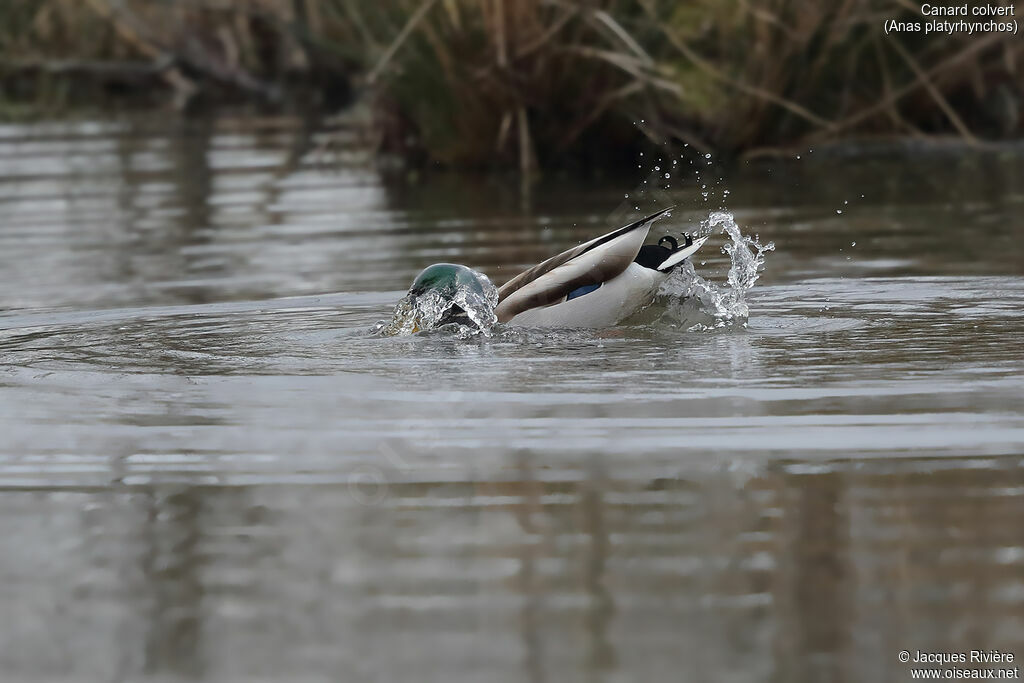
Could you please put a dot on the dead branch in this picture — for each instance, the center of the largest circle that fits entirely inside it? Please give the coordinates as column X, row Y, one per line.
column 943, row 103
column 973, row 47
column 406, row 31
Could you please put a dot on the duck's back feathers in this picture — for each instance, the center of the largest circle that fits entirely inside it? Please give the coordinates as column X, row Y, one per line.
column 590, row 263
column 608, row 305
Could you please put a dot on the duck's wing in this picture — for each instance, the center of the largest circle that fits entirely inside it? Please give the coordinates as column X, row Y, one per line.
column 590, row 263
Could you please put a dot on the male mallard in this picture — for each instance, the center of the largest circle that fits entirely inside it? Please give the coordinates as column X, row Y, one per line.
column 596, row 284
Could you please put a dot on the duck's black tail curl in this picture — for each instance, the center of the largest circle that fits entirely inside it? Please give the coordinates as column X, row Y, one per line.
column 652, row 256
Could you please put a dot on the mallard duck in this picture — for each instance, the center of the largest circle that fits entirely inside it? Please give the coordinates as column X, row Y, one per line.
column 595, row 284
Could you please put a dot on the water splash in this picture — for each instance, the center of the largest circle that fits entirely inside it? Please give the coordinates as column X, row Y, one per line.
column 692, row 299
column 466, row 311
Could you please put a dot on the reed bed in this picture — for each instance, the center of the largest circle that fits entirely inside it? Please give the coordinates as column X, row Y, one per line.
column 533, row 83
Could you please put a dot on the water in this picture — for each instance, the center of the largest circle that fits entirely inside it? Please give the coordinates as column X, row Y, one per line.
column 463, row 306
column 211, row 469
column 690, row 294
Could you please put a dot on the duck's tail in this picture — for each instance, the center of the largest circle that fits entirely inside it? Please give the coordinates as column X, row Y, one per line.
column 680, row 254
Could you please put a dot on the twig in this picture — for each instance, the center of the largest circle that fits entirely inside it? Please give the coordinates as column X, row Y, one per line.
column 352, row 13
column 406, row 31
column 506, row 125
column 893, row 111
column 623, row 35
column 184, row 87
column 898, row 94
column 499, row 32
column 99, row 68
column 545, row 37
column 714, row 72
column 631, row 65
column 126, row 32
column 943, row 103
column 526, row 153
column 767, row 17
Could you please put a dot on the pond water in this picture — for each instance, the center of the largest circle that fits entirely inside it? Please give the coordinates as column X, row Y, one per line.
column 211, row 470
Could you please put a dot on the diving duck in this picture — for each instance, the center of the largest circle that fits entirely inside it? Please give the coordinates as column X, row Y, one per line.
column 595, row 284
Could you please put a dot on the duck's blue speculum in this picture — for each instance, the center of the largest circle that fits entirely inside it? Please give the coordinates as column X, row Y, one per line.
column 580, row 291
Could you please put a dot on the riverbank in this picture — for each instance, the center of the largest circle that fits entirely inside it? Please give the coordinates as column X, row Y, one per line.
column 527, row 85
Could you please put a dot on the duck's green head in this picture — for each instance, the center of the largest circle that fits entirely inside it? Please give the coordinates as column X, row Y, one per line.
column 445, row 293
column 446, row 279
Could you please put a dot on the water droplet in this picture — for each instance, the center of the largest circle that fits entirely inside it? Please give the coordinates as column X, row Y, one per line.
column 839, row 210
column 853, row 244
column 708, row 155
column 846, row 201
column 797, row 156
column 668, row 175
column 657, row 168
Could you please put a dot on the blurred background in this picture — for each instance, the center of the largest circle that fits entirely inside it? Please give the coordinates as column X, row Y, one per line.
column 211, row 468
column 498, row 83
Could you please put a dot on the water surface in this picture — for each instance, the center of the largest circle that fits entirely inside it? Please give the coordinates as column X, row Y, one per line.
column 211, row 470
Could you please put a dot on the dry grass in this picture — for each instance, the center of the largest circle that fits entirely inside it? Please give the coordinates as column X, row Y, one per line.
column 219, row 49
column 543, row 82
column 506, row 81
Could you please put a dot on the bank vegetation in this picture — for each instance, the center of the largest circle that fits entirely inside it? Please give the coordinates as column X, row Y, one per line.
column 528, row 83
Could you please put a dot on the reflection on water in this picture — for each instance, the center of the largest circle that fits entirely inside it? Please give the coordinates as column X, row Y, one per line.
column 785, row 575
column 211, row 470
